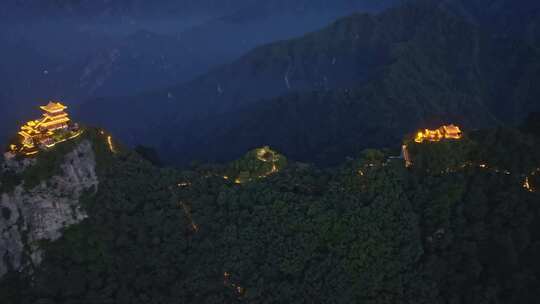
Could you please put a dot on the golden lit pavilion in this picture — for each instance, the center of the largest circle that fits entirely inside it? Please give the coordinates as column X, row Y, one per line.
column 54, row 127
column 444, row 132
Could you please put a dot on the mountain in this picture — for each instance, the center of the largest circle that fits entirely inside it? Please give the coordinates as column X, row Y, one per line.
column 361, row 82
column 460, row 225
column 267, row 21
column 35, row 212
column 426, row 84
column 163, row 60
column 139, row 62
column 318, row 60
column 122, row 58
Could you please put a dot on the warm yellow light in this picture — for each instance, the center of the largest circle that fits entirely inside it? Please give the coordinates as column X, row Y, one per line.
column 53, row 107
column 444, row 132
column 42, row 130
column 30, row 153
column 406, row 156
column 527, row 185
column 110, row 143
column 419, row 137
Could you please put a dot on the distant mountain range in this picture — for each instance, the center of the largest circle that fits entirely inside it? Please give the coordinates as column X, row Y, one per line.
column 363, row 81
column 482, row 60
column 109, row 60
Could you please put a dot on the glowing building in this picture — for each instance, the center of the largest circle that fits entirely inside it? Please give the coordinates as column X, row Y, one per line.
column 444, row 132
column 54, row 117
column 43, row 132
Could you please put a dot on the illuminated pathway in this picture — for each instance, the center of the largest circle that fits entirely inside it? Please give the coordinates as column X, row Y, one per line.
column 110, row 143
column 482, row 165
column 187, row 212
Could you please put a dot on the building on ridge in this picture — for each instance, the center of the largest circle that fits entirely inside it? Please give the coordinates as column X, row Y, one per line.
column 444, row 132
column 55, row 126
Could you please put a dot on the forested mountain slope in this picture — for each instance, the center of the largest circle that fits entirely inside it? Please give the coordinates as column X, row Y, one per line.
column 362, row 82
column 325, row 59
column 459, row 226
column 415, row 91
column 406, row 67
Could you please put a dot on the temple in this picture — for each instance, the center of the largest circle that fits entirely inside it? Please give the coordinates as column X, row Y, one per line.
column 444, row 132
column 55, row 126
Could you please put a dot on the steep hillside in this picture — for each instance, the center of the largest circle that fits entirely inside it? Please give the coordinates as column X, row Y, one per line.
column 268, row 21
column 459, row 226
column 39, row 198
column 341, row 55
column 139, row 62
column 429, row 80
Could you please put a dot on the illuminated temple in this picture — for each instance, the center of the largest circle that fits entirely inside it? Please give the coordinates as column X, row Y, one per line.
column 444, row 132
column 55, row 126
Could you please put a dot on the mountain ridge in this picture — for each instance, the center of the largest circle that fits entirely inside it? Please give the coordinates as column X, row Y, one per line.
column 417, row 234
column 436, row 60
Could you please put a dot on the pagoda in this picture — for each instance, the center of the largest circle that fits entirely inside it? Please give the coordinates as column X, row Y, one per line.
column 55, row 126
column 54, row 117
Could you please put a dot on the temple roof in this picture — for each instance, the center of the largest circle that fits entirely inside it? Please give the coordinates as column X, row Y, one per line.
column 53, row 107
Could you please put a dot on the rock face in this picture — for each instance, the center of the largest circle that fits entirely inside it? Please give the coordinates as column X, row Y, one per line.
column 10, row 163
column 31, row 216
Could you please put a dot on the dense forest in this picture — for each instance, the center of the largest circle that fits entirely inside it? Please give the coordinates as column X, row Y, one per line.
column 458, row 226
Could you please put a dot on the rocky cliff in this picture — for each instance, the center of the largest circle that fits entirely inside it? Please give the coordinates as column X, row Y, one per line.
column 30, row 216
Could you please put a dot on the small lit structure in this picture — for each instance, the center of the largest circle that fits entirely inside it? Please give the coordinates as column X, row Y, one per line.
column 54, row 127
column 444, row 132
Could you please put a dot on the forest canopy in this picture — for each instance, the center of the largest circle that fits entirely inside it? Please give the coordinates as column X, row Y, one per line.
column 457, row 227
